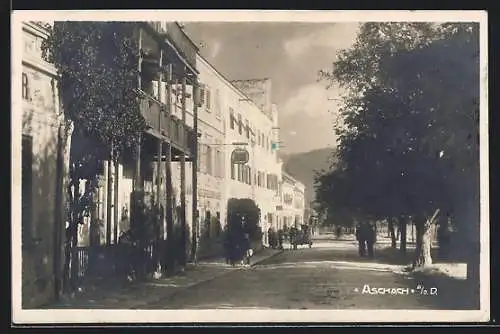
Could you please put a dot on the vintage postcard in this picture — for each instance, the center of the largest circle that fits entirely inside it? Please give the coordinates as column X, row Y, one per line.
column 249, row 166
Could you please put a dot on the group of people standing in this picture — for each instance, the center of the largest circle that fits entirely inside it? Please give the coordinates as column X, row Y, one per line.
column 366, row 235
column 238, row 246
column 275, row 238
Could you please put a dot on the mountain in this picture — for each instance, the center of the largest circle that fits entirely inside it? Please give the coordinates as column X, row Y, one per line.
column 302, row 166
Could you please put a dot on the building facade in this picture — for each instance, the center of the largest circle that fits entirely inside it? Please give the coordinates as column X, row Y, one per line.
column 166, row 82
column 292, row 202
column 253, row 119
column 44, row 161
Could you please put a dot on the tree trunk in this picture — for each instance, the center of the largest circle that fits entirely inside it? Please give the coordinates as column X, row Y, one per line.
column 424, row 240
column 73, row 236
column 109, row 200
column 392, row 233
column 402, row 228
column 116, row 218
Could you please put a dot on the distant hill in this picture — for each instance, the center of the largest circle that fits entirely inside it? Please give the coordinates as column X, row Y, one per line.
column 303, row 165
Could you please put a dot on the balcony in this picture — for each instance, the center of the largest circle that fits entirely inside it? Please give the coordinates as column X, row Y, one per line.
column 175, row 35
column 164, row 126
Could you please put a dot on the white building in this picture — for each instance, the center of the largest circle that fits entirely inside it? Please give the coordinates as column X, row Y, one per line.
column 44, row 165
column 253, row 119
column 212, row 201
column 292, row 202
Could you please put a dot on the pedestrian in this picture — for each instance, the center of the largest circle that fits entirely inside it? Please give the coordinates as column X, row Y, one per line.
column 361, row 238
column 247, row 249
column 270, row 237
column 443, row 234
column 338, row 232
column 293, row 237
column 280, row 238
column 371, row 238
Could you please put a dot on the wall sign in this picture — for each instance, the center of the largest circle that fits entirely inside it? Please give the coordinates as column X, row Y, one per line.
column 240, row 156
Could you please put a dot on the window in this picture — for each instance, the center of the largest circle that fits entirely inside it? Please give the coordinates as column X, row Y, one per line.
column 26, row 191
column 233, row 172
column 208, row 99
column 203, row 159
column 258, row 137
column 216, row 163
column 208, row 158
column 254, row 178
column 25, row 87
column 249, row 176
column 247, row 129
column 262, row 140
column 240, row 124
column 219, row 164
column 217, row 104
column 202, row 94
column 239, row 173
column 231, row 118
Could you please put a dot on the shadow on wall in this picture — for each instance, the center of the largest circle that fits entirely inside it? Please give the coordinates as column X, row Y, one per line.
column 39, row 182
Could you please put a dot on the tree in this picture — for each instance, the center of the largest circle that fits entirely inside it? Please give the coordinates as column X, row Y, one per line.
column 97, row 67
column 411, row 108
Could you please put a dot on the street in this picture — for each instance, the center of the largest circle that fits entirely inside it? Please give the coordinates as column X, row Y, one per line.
column 330, row 275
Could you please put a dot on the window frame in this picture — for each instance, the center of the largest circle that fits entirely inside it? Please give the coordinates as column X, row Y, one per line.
column 25, row 87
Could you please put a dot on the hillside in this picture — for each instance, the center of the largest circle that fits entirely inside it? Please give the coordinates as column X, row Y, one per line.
column 303, row 165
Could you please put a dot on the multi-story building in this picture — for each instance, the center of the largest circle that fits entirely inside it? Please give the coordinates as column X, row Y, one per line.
column 166, row 79
column 211, row 203
column 292, row 202
column 255, row 120
column 44, row 163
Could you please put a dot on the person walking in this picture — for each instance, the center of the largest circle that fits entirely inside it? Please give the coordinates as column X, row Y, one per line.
column 361, row 238
column 371, row 238
column 247, row 249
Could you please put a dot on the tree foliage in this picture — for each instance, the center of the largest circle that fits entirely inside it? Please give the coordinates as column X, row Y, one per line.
column 410, row 139
column 97, row 67
column 97, row 64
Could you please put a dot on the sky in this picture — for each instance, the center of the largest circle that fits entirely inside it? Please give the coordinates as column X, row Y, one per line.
column 291, row 54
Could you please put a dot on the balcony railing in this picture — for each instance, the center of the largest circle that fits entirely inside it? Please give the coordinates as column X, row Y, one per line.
column 163, row 124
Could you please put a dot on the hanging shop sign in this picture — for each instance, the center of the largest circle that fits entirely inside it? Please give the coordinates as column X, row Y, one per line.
column 240, row 156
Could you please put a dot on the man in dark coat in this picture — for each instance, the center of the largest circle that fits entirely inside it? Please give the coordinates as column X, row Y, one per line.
column 371, row 235
column 361, row 238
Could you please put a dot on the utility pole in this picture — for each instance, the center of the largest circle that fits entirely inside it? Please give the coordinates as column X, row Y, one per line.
column 183, row 173
column 168, row 173
column 159, row 148
column 195, row 227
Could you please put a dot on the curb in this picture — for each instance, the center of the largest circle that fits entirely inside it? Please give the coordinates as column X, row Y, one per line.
column 266, row 258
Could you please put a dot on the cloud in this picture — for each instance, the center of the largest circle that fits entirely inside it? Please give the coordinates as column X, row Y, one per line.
column 337, row 35
column 313, row 100
column 307, row 118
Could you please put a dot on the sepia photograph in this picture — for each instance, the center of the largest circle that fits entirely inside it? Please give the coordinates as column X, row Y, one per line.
column 249, row 166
